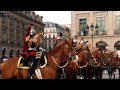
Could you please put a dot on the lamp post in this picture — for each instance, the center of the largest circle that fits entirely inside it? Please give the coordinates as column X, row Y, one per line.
column 92, row 29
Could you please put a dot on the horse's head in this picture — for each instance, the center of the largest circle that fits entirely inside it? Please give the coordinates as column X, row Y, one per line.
column 67, row 48
column 107, row 58
column 98, row 54
column 62, row 49
column 83, row 56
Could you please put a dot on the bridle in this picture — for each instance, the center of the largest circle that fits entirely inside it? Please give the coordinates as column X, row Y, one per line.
column 67, row 59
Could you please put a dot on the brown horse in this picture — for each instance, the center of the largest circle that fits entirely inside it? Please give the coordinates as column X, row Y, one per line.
column 98, row 55
column 9, row 68
column 55, row 56
column 82, row 63
column 112, row 64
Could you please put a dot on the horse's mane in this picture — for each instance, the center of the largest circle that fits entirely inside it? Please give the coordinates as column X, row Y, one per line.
column 56, row 48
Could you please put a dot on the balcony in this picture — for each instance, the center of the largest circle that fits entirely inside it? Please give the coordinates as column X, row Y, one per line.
column 104, row 32
column 116, row 32
column 82, row 33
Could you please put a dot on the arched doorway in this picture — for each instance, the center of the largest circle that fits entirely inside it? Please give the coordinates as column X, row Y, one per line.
column 117, row 45
column 3, row 53
column 17, row 53
column 11, row 53
column 101, row 44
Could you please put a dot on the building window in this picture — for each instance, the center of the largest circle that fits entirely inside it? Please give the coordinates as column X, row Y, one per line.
column 4, row 20
column 3, row 53
column 101, row 24
column 17, row 53
column 50, row 31
column 50, row 25
column 53, row 30
column 117, row 24
column 11, row 53
column 82, row 26
column 11, row 22
column 11, row 35
column 18, row 33
column 17, row 24
column 4, row 34
column 23, row 32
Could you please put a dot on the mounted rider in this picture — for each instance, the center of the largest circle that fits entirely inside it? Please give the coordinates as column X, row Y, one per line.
column 75, row 41
column 58, row 38
column 30, row 44
column 81, row 44
column 107, row 49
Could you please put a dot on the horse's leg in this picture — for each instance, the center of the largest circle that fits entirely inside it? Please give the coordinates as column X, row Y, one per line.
column 109, row 73
column 100, row 73
column 118, row 72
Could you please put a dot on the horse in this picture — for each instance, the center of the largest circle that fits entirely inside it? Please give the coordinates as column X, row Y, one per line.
column 98, row 55
column 118, row 56
column 113, row 64
column 72, row 69
column 50, row 71
column 82, row 63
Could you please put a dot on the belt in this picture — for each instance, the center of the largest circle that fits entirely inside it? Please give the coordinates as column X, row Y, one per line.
column 31, row 49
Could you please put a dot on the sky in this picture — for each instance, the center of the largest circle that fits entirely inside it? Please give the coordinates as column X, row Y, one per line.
column 60, row 17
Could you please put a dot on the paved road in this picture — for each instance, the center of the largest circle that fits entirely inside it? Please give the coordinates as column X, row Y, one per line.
column 105, row 75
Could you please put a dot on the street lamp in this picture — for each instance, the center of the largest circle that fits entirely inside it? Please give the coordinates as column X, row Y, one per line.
column 92, row 29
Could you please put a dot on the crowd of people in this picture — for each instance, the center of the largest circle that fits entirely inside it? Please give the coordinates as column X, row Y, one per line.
column 81, row 43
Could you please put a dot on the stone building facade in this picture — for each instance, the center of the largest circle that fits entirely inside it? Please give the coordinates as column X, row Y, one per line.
column 51, row 30
column 12, row 29
column 108, row 32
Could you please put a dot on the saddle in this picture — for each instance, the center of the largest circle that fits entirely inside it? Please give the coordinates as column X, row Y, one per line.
column 40, row 58
column 22, row 63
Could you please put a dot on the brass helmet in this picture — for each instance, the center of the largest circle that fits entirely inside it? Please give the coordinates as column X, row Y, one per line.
column 32, row 31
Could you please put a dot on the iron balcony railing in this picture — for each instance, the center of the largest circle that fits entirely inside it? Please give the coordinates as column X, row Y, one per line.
column 116, row 31
column 104, row 32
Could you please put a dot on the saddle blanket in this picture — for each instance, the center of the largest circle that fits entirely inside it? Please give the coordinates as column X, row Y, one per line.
column 22, row 63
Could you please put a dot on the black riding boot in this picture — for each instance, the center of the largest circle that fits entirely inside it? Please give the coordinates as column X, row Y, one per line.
column 63, row 73
column 32, row 68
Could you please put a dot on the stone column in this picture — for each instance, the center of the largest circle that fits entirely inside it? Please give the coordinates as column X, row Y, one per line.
column 8, row 30
column 109, row 23
column 73, row 23
column 91, row 20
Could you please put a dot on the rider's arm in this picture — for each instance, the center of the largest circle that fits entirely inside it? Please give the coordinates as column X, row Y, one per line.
column 27, row 38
